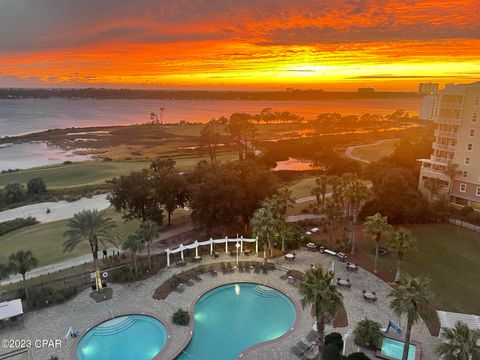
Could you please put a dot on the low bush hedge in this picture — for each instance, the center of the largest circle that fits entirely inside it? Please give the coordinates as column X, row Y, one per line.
column 18, row 223
column 181, row 317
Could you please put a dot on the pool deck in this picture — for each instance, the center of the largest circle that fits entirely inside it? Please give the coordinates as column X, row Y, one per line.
column 81, row 311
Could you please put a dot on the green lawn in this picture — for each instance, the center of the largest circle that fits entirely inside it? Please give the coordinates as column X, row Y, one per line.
column 375, row 152
column 45, row 240
column 302, row 187
column 450, row 257
column 88, row 173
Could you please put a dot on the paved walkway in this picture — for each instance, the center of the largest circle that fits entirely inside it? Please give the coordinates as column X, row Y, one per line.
column 81, row 312
column 349, row 150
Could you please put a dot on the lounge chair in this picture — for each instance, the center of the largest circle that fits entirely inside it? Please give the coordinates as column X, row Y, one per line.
column 257, row 269
column 212, row 271
column 229, row 268
column 312, row 337
column 265, row 269
column 306, row 348
column 223, row 268
column 297, row 352
column 241, row 267
column 197, row 278
column 247, row 267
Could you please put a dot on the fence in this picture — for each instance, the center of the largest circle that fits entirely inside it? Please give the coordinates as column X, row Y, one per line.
column 465, row 224
column 84, row 280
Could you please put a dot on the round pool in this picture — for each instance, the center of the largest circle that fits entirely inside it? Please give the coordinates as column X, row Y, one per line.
column 138, row 337
column 232, row 318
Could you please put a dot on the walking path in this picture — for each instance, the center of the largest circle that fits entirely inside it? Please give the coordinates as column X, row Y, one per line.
column 87, row 258
column 349, row 150
column 59, row 210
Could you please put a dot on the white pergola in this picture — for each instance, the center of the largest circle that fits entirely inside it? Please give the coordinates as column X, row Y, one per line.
column 211, row 242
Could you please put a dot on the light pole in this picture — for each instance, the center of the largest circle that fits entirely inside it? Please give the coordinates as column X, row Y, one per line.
column 237, row 245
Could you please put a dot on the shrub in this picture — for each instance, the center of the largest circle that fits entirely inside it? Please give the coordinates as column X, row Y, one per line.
column 36, row 186
column 174, row 281
column 466, row 210
column 15, row 224
column 44, row 297
column 368, row 334
column 181, row 317
column 358, row 356
column 331, row 352
column 336, row 339
column 473, row 218
column 123, row 274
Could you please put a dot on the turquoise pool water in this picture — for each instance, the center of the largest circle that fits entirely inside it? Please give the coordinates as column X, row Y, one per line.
column 231, row 318
column 138, row 337
column 394, row 349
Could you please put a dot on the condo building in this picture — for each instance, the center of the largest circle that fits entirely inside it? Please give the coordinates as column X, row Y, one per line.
column 456, row 144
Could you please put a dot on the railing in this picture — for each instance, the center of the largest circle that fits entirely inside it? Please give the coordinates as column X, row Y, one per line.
column 447, row 120
column 451, row 105
column 438, row 146
column 441, row 160
column 447, row 134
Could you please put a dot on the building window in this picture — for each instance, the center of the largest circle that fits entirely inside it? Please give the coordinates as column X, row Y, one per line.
column 469, row 146
column 474, row 117
column 478, row 190
column 467, row 161
column 472, row 132
column 464, row 174
column 477, row 100
column 463, row 187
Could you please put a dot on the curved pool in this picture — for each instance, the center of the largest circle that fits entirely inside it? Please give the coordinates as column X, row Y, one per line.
column 138, row 337
column 231, row 318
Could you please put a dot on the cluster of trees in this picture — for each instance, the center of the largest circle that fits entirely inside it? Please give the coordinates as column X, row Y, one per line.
column 15, row 192
column 348, row 193
column 395, row 186
column 21, row 263
column 333, row 123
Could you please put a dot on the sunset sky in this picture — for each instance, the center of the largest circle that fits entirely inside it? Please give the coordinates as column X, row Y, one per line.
column 239, row 44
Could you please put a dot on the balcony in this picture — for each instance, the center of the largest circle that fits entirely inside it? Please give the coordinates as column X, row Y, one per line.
column 440, row 160
column 447, row 120
column 451, row 105
column 437, row 146
column 446, row 134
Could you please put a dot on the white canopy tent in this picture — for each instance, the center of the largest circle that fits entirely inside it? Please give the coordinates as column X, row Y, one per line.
column 211, row 242
column 11, row 309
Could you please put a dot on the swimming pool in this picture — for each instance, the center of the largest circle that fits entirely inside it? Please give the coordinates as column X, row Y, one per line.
column 393, row 349
column 138, row 337
column 231, row 318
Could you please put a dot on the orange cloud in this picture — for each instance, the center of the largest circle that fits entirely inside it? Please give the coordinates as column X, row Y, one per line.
column 262, row 44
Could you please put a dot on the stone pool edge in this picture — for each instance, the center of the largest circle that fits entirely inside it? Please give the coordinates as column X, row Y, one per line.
column 191, row 310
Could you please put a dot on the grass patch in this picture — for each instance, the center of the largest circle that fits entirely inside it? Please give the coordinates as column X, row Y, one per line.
column 46, row 240
column 375, row 152
column 91, row 173
column 303, row 187
column 449, row 256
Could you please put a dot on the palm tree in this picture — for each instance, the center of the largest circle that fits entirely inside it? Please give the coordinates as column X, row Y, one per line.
column 279, row 205
column 317, row 289
column 336, row 182
column 451, row 170
column 368, row 333
column 320, row 188
column 413, row 299
column 90, row 225
column 401, row 241
column 333, row 210
column 135, row 244
column 355, row 192
column 459, row 343
column 264, row 226
column 433, row 185
column 20, row 263
column 148, row 230
column 375, row 226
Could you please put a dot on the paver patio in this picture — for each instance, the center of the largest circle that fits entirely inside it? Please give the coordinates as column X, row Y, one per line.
column 81, row 311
